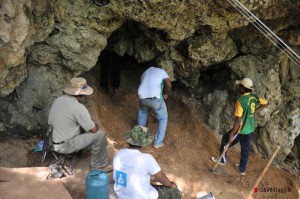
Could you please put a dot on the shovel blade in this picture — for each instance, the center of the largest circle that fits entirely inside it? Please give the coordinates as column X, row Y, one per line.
column 208, row 196
column 219, row 171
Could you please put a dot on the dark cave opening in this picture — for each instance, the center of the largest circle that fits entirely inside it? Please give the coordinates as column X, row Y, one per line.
column 110, row 67
column 294, row 156
column 216, row 77
column 130, row 49
column 115, row 73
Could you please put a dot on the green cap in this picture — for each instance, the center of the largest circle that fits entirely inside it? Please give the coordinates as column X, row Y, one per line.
column 139, row 136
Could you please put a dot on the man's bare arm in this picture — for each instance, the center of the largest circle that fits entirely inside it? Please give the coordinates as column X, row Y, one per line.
column 235, row 128
column 167, row 87
column 262, row 107
column 164, row 180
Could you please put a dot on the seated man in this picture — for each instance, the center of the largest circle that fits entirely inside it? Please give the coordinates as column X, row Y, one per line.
column 67, row 115
column 133, row 170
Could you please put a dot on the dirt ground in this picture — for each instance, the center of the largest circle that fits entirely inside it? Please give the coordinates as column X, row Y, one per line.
column 185, row 157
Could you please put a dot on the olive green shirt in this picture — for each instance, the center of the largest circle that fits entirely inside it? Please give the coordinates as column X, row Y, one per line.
column 66, row 116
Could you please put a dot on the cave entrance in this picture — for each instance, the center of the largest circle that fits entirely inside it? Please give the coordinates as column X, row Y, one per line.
column 118, row 74
column 110, row 70
column 127, row 54
column 216, row 77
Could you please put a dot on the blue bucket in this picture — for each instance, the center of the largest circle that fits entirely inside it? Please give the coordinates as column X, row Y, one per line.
column 97, row 185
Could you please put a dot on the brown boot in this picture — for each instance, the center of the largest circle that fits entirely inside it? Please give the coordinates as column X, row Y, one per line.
column 106, row 169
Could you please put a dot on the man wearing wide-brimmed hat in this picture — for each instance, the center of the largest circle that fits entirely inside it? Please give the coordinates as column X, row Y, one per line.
column 134, row 170
column 244, row 124
column 67, row 115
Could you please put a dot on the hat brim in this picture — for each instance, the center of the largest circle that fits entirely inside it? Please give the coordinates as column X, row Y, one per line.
column 78, row 91
column 130, row 141
column 239, row 82
column 138, row 143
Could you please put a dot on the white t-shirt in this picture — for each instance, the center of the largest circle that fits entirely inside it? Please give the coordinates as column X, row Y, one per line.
column 132, row 172
column 152, row 82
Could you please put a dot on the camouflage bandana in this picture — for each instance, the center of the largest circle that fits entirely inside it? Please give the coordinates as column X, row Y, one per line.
column 139, row 136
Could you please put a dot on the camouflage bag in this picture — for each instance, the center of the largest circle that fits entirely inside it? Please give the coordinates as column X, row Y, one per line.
column 139, row 136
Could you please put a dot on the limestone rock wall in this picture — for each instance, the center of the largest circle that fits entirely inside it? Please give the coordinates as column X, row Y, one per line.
column 204, row 45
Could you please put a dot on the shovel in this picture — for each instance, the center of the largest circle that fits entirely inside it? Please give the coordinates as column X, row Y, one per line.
column 261, row 175
column 208, row 196
column 220, row 170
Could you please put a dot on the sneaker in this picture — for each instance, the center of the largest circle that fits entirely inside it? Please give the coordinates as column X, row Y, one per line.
column 158, row 145
column 214, row 159
column 237, row 167
column 107, row 169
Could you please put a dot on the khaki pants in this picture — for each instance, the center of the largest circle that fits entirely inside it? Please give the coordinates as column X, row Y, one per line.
column 97, row 142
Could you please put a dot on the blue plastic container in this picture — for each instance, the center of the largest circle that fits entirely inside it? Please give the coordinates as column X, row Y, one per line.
column 97, row 185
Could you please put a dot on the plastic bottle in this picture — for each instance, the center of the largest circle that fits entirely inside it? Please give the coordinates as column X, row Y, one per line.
column 97, row 185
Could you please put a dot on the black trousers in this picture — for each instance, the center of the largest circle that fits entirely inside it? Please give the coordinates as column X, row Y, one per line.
column 245, row 142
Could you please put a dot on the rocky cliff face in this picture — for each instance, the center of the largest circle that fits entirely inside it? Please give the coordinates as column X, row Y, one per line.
column 204, row 45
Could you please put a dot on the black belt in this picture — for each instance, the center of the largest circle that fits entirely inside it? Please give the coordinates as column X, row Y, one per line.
column 58, row 142
column 151, row 98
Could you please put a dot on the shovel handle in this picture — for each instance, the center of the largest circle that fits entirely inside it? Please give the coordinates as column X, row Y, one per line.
column 220, row 157
column 261, row 175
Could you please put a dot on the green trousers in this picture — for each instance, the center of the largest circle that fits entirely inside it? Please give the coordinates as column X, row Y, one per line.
column 167, row 192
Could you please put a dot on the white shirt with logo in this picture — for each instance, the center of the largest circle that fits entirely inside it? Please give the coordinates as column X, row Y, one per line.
column 152, row 82
column 132, row 172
